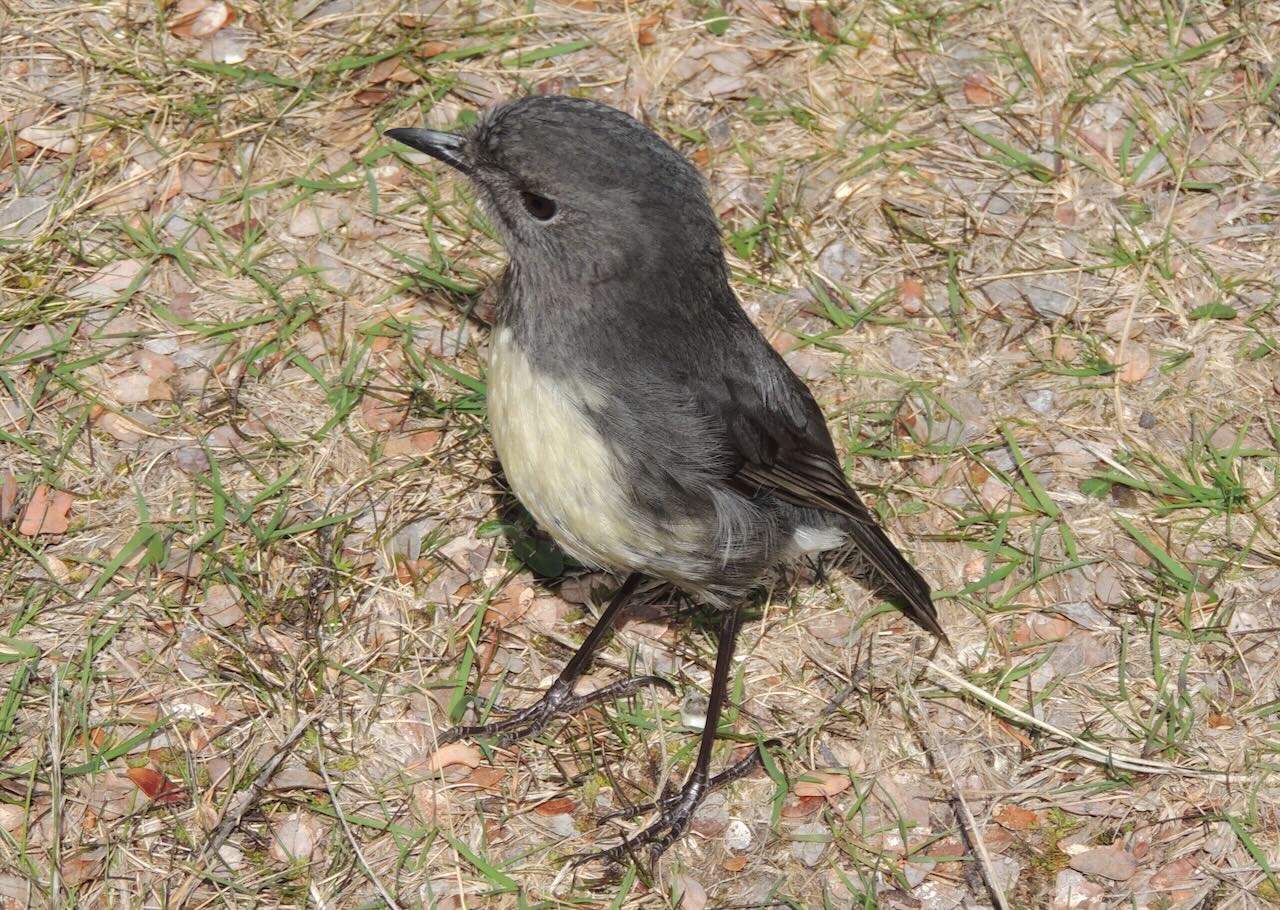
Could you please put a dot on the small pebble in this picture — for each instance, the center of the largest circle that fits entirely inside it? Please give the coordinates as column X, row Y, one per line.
column 1113, row 862
column 191, row 459
column 1040, row 401
column 222, row 606
column 839, row 260
column 915, row 873
column 562, row 825
column 1072, row 891
column 161, row 344
column 903, row 353
column 693, row 713
column 737, row 836
column 1050, row 296
column 712, row 817
column 810, row 850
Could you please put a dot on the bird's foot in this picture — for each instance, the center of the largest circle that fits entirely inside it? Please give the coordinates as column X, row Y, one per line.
column 739, row 769
column 675, row 812
column 558, row 700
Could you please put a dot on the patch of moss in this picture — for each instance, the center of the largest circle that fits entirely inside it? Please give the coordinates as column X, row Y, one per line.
column 1043, row 860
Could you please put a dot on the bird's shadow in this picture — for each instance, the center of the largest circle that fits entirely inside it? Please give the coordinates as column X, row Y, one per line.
column 552, row 568
column 529, row 544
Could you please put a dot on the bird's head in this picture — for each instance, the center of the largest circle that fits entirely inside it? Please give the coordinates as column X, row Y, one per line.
column 577, row 187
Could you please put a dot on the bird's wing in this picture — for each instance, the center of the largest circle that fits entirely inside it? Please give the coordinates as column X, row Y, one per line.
column 780, row 446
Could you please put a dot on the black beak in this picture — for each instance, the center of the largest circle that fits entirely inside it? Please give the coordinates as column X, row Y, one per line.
column 447, row 147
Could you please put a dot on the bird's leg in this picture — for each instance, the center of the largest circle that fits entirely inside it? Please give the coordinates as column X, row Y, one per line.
column 559, row 699
column 676, row 812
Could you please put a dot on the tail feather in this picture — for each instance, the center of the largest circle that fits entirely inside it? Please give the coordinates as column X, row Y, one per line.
column 886, row 571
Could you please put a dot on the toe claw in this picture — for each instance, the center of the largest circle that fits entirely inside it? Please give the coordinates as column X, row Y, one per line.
column 659, row 681
column 677, row 813
column 452, row 735
column 628, row 812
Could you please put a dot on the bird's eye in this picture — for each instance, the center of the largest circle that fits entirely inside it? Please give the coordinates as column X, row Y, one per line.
column 539, row 207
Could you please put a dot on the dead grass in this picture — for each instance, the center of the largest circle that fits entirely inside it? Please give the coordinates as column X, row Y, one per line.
column 252, row 555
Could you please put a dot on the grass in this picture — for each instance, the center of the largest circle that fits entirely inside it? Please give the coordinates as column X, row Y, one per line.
column 1026, row 259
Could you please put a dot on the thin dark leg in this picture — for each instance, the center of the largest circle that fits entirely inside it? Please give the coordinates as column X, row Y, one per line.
column 701, row 773
column 677, row 812
column 559, row 699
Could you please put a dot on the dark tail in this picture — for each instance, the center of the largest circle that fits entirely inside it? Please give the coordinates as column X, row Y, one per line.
column 880, row 565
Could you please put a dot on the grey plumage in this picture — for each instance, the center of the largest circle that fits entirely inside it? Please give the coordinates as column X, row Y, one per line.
column 624, row 295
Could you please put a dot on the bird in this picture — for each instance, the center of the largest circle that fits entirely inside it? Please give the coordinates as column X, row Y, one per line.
column 638, row 414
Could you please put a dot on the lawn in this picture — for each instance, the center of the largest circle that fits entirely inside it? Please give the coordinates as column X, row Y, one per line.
column 254, row 553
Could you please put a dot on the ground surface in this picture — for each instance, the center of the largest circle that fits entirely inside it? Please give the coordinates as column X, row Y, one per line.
column 252, row 553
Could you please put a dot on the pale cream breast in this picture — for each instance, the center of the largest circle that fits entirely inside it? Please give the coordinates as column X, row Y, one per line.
column 560, row 468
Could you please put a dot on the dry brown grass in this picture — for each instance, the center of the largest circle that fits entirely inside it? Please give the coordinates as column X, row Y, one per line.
column 1028, row 256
